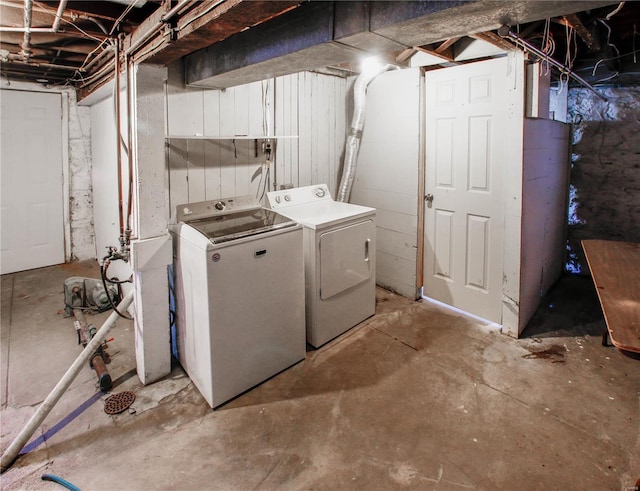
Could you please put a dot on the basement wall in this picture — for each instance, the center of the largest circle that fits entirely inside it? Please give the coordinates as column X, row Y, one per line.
column 387, row 175
column 105, row 181
column 605, row 174
column 80, row 184
column 307, row 109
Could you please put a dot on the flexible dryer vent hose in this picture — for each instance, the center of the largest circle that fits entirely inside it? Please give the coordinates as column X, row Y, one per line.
column 354, row 134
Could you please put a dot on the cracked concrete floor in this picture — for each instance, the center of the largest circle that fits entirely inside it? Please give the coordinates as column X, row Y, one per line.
column 417, row 397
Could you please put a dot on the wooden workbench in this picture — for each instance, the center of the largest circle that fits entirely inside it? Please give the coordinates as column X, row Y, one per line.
column 615, row 269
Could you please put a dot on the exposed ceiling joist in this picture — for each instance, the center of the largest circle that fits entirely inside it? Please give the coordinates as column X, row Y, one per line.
column 573, row 21
column 163, row 31
column 494, row 39
column 432, row 51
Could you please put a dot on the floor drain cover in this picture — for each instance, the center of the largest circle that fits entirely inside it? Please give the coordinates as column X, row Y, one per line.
column 116, row 403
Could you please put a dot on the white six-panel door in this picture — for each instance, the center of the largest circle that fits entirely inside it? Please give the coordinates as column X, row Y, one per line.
column 32, row 228
column 464, row 221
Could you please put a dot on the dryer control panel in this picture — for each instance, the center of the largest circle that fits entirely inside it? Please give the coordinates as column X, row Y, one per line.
column 298, row 196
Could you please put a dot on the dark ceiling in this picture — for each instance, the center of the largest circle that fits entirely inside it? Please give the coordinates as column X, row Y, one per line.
column 600, row 44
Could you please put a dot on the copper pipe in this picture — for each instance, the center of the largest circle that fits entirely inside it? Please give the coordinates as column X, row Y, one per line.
column 129, row 141
column 118, row 149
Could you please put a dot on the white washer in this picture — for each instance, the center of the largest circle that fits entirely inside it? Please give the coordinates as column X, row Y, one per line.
column 239, row 279
column 339, row 253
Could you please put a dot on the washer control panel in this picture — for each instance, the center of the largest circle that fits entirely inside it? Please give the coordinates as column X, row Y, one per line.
column 297, row 196
column 216, row 207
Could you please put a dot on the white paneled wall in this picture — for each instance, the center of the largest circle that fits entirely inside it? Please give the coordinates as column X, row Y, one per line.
column 387, row 175
column 104, row 177
column 313, row 106
column 307, row 109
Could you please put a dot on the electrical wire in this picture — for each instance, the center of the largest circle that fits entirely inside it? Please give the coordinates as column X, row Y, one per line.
column 633, row 44
column 103, row 275
column 122, row 16
column 202, row 14
column 266, row 180
column 615, row 11
column 60, row 481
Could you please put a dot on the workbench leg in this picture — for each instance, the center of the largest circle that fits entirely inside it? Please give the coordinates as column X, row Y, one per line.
column 605, row 338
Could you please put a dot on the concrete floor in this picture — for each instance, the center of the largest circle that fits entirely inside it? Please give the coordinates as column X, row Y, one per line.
column 417, row 397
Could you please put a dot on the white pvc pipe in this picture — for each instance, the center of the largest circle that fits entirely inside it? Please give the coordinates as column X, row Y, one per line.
column 54, row 396
column 26, row 42
column 56, row 23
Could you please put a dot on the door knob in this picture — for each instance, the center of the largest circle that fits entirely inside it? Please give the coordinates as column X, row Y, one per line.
column 428, row 198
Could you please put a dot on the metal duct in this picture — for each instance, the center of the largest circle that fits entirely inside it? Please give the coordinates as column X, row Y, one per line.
column 26, row 43
column 354, row 135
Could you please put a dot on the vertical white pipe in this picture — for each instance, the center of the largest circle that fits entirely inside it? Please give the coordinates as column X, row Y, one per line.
column 56, row 23
column 26, row 42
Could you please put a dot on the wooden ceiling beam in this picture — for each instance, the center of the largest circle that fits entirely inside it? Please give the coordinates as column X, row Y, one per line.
column 432, row 51
column 405, row 54
column 204, row 26
column 495, row 40
column 573, row 21
column 446, row 44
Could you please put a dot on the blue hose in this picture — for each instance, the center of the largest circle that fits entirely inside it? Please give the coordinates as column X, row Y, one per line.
column 59, row 480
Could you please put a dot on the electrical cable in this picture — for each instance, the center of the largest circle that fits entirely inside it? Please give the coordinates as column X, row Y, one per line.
column 615, row 11
column 59, row 480
column 264, row 187
column 122, row 16
column 202, row 14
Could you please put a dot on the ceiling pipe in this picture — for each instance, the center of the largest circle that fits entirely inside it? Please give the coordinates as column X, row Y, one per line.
column 24, row 29
column 18, row 59
column 97, row 58
column 26, row 42
column 506, row 32
column 166, row 17
column 169, row 14
column 56, row 22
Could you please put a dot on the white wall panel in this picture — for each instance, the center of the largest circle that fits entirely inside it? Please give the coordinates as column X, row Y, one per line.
column 105, row 183
column 546, row 168
column 387, row 175
column 307, row 105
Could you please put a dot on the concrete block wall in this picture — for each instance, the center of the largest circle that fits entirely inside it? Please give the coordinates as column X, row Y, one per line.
column 605, row 173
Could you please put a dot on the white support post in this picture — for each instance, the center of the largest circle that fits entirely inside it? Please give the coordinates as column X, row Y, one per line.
column 151, row 253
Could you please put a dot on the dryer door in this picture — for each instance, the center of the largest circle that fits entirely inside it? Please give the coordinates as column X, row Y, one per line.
column 346, row 257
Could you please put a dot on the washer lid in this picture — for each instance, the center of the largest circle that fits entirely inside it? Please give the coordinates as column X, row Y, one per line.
column 233, row 226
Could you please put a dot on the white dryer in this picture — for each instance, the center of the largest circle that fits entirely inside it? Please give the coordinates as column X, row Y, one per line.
column 339, row 252
column 239, row 278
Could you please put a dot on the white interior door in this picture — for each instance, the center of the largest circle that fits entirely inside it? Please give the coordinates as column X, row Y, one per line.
column 464, row 222
column 32, row 192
